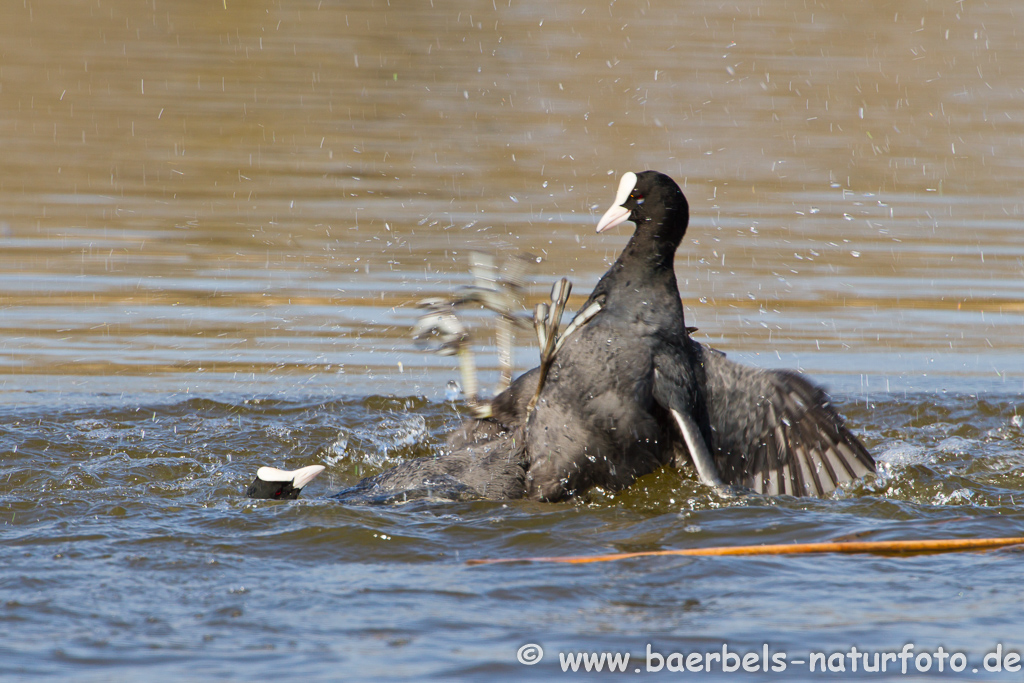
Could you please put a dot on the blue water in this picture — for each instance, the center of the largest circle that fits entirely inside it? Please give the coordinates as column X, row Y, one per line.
column 130, row 551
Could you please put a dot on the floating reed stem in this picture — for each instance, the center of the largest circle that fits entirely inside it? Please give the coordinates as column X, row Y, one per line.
column 947, row 545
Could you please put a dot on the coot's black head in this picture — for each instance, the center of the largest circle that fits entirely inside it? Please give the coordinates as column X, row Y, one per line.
column 653, row 202
column 272, row 490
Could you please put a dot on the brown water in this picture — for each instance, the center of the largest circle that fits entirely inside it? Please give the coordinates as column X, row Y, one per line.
column 215, row 219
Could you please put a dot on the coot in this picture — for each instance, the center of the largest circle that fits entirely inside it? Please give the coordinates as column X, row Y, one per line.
column 633, row 390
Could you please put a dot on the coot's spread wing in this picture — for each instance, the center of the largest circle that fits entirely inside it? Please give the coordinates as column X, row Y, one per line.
column 677, row 391
column 777, row 433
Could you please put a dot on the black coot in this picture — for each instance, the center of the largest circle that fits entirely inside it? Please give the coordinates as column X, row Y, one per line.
column 608, row 410
column 632, row 390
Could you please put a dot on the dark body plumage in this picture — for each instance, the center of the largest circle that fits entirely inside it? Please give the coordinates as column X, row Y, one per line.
column 492, row 468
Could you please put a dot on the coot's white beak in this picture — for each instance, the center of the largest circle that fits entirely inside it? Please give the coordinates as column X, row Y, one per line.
column 298, row 478
column 618, row 214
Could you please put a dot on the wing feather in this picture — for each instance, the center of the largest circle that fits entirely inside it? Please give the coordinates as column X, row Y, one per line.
column 777, row 433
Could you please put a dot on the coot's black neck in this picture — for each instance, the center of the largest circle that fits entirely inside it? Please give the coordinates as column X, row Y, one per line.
column 653, row 245
column 643, row 276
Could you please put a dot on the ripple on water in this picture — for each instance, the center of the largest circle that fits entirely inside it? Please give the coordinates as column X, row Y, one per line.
column 130, row 520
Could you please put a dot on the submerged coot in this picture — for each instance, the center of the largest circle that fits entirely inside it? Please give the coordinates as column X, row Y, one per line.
column 494, row 469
